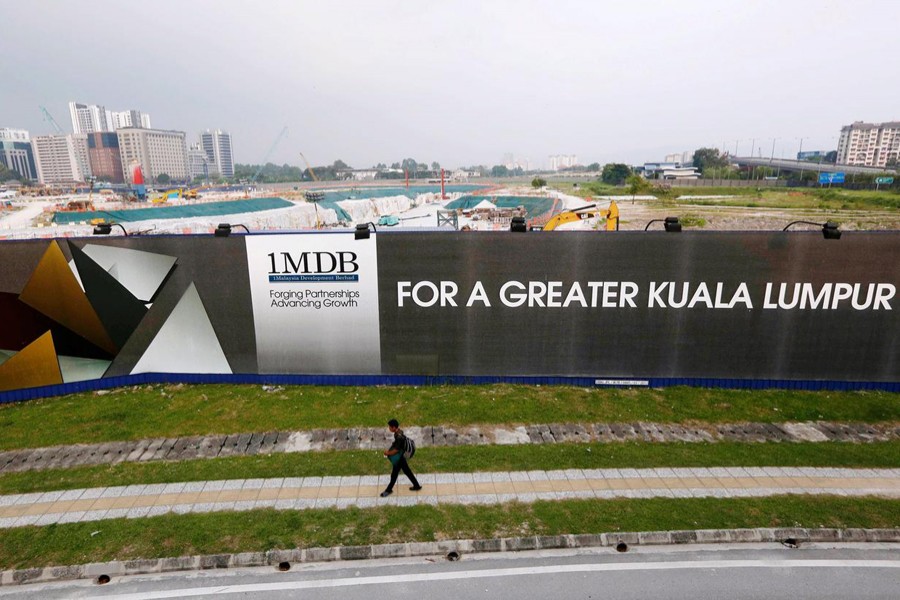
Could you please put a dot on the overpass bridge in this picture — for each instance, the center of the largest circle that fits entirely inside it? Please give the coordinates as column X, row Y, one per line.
column 787, row 164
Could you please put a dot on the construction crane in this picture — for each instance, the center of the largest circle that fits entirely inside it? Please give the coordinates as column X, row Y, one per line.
column 85, row 168
column 308, row 168
column 268, row 154
column 313, row 197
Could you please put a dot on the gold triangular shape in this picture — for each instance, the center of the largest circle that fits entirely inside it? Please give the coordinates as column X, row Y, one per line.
column 54, row 291
column 35, row 365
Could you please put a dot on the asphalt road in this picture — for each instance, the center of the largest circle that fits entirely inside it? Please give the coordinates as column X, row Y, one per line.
column 695, row 573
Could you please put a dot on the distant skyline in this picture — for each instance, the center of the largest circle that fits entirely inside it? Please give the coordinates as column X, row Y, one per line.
column 462, row 82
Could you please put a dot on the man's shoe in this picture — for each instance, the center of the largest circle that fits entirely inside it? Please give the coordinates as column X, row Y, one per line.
column 415, row 488
column 387, row 493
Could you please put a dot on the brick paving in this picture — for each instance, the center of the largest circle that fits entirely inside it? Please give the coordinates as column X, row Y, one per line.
column 369, row 438
column 137, row 501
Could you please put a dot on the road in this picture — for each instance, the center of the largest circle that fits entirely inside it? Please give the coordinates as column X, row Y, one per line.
column 671, row 572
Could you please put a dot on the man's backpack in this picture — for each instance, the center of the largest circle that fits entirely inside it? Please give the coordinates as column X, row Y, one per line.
column 410, row 449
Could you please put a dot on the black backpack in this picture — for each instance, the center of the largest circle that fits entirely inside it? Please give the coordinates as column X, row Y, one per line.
column 410, row 448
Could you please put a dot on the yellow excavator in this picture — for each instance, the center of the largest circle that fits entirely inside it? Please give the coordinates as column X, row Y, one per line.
column 574, row 215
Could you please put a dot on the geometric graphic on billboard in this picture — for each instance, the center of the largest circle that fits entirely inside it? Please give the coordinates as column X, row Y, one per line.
column 186, row 343
column 74, row 368
column 54, row 291
column 141, row 273
column 21, row 325
column 33, row 366
column 119, row 311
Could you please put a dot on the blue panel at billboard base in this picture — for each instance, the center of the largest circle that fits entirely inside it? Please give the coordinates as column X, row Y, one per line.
column 831, row 178
column 23, row 395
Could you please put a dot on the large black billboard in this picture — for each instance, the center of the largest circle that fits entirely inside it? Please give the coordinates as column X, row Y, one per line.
column 712, row 304
column 626, row 305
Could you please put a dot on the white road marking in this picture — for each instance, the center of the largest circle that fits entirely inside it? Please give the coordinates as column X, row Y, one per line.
column 512, row 572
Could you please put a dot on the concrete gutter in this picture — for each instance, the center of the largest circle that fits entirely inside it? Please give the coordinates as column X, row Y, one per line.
column 283, row 559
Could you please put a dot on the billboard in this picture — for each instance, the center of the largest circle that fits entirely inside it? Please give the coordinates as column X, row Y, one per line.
column 758, row 306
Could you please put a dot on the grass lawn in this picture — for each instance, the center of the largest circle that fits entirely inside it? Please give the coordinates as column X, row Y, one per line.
column 178, row 535
column 181, row 410
column 465, row 459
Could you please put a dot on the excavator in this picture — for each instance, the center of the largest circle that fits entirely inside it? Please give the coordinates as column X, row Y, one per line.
column 575, row 215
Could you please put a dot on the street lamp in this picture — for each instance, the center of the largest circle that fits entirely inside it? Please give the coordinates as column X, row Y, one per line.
column 362, row 231
column 106, row 228
column 224, row 229
column 518, row 225
column 671, row 224
column 830, row 229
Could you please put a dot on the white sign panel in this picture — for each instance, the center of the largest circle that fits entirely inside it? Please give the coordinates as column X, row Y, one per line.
column 315, row 303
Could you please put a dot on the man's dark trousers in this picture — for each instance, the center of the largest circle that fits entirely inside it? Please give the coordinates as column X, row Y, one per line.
column 398, row 466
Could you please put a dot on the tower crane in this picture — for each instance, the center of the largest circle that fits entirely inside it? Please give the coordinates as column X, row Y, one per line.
column 269, row 153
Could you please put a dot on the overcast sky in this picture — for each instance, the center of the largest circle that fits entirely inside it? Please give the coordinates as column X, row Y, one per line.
column 462, row 82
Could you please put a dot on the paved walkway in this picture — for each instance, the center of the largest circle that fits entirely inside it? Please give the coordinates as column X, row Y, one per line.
column 138, row 501
column 369, row 438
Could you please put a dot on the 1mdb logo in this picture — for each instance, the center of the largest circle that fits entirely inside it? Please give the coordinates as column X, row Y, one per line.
column 313, row 266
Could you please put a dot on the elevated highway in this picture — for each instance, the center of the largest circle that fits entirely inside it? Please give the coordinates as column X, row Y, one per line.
column 787, row 164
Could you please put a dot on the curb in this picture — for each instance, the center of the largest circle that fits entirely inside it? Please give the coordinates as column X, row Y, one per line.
column 283, row 559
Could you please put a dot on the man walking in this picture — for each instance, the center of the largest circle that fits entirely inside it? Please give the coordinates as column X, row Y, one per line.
column 395, row 454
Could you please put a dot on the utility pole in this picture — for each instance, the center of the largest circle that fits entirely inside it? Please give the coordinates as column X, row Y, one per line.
column 752, row 148
column 799, row 152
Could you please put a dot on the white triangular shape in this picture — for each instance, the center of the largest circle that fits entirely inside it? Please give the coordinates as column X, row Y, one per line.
column 141, row 273
column 186, row 343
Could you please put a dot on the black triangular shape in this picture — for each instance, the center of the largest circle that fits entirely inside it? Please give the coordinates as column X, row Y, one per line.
column 22, row 325
column 119, row 311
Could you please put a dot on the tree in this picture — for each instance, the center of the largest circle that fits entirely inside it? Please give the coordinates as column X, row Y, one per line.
column 831, row 157
column 636, row 185
column 594, row 166
column 381, row 166
column 339, row 164
column 7, row 174
column 705, row 158
column 409, row 164
column 615, row 173
column 538, row 182
column 435, row 166
column 499, row 171
column 163, row 178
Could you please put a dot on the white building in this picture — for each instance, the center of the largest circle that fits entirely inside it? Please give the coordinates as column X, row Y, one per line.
column 61, row 158
column 217, row 145
column 128, row 118
column 562, row 161
column 89, row 118
column 14, row 135
column 158, row 152
column 198, row 163
column 869, row 144
column 685, row 158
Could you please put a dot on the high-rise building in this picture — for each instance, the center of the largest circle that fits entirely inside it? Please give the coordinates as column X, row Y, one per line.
column 198, row 162
column 104, row 156
column 128, row 118
column 562, row 161
column 16, row 153
column 869, row 144
column 157, row 151
column 217, row 145
column 61, row 158
column 88, row 118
